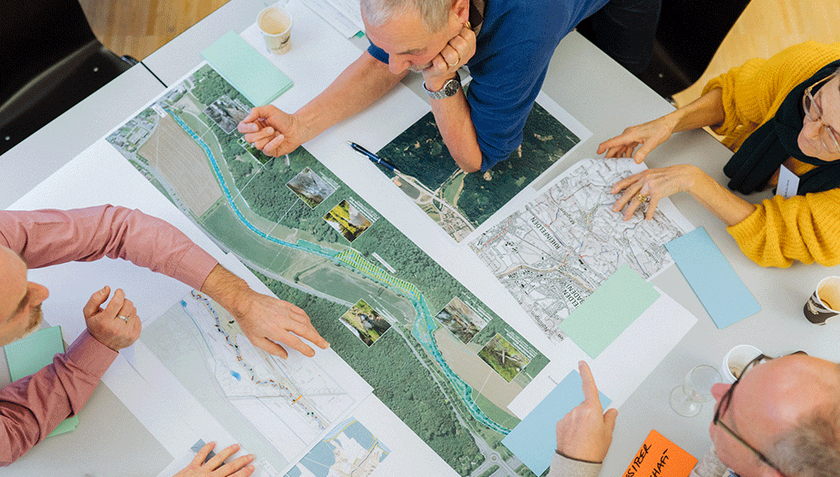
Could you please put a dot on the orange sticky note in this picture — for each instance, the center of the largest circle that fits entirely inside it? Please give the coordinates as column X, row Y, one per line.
column 659, row 457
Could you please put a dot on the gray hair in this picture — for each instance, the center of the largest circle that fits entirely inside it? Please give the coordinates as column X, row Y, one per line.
column 812, row 448
column 434, row 13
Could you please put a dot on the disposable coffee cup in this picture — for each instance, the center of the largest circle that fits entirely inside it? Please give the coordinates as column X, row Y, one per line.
column 275, row 23
column 824, row 303
column 736, row 360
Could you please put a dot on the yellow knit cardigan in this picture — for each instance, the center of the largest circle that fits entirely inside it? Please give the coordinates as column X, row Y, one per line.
column 804, row 228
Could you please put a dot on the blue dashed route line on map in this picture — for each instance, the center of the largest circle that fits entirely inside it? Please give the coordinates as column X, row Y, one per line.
column 353, row 260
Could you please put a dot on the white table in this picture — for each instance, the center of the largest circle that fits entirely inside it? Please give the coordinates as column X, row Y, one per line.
column 41, row 154
column 606, row 99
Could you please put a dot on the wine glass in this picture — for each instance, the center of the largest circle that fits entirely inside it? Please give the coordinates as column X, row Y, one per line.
column 688, row 398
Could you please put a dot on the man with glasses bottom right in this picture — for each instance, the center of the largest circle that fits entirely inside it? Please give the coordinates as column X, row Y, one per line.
column 781, row 418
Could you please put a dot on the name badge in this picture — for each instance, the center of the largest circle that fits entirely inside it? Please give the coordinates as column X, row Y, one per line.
column 788, row 183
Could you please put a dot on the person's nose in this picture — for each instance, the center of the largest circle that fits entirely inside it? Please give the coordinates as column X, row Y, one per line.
column 397, row 65
column 719, row 389
column 811, row 129
column 38, row 292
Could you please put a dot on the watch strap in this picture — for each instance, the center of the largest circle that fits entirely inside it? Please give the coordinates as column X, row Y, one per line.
column 449, row 89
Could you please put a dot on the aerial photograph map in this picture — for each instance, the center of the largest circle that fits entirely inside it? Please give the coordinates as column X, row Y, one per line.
column 440, row 359
column 460, row 202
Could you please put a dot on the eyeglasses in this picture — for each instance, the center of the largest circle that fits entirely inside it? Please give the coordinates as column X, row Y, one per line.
column 814, row 113
column 723, row 405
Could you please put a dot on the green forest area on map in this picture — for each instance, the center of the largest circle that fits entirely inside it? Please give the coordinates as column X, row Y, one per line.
column 270, row 212
column 427, row 173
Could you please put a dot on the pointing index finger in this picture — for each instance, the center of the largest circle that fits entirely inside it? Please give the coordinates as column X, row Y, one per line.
column 590, row 390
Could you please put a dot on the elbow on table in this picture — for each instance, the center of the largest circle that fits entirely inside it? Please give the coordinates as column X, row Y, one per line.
column 470, row 163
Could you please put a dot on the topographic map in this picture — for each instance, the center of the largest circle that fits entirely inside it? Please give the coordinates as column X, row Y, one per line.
column 434, row 354
column 559, row 248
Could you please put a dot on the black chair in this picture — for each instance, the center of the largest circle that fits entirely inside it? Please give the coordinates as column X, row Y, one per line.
column 688, row 35
column 49, row 61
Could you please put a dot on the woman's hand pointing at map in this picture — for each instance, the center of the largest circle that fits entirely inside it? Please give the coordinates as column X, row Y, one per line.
column 268, row 322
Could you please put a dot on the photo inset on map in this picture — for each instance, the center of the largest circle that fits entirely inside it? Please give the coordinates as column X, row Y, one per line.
column 503, row 357
column 365, row 322
column 461, row 320
column 226, row 113
column 310, row 187
column 350, row 450
column 347, row 220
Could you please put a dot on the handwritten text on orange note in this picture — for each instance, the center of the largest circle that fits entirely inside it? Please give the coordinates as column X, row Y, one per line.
column 659, row 457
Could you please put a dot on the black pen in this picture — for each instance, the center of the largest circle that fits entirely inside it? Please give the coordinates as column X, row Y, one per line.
column 373, row 157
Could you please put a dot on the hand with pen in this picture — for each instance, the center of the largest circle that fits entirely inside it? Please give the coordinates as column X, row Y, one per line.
column 272, row 131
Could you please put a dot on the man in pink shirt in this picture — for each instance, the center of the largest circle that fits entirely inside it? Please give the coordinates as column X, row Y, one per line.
column 32, row 407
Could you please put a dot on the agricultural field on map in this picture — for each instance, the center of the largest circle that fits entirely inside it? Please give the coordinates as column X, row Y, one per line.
column 556, row 250
column 272, row 409
column 439, row 386
column 350, row 451
column 460, row 202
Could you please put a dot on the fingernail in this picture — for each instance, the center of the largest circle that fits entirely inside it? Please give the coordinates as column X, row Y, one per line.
column 580, row 363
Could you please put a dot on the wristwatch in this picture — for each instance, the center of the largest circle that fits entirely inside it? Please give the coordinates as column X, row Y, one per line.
column 450, row 88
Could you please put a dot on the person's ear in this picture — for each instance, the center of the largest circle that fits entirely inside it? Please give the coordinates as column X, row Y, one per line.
column 461, row 9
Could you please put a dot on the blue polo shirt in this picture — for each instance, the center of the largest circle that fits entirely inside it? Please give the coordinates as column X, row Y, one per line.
column 513, row 49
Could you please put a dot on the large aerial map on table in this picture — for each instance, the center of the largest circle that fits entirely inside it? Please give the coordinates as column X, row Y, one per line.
column 559, row 248
column 460, row 202
column 433, row 353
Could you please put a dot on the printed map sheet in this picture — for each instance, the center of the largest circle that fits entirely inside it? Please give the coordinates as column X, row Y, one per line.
column 557, row 249
column 434, row 354
column 276, row 409
column 459, row 202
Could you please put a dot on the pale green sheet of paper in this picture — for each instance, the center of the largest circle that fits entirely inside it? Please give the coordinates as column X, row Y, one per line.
column 246, row 69
column 29, row 355
column 599, row 320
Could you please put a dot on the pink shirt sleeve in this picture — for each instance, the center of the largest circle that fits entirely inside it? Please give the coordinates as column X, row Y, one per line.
column 31, row 407
column 49, row 237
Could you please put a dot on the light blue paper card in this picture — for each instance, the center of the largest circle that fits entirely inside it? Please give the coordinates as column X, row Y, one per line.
column 246, row 69
column 714, row 281
column 534, row 440
column 599, row 320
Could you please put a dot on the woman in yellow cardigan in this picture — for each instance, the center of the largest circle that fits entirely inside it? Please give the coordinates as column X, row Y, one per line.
column 784, row 111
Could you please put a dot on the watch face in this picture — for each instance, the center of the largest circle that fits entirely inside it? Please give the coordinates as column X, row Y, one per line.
column 451, row 87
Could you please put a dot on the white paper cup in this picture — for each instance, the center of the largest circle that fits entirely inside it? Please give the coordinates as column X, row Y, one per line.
column 824, row 303
column 275, row 23
column 736, row 360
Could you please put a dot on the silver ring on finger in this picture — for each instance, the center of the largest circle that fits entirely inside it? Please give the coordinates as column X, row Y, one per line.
column 124, row 318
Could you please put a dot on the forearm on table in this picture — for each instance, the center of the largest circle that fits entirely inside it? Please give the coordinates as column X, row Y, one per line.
column 454, row 121
column 226, row 289
column 357, row 87
column 707, row 110
column 728, row 207
column 32, row 407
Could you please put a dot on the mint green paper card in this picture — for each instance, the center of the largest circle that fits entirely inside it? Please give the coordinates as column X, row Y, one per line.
column 29, row 355
column 246, row 69
column 605, row 314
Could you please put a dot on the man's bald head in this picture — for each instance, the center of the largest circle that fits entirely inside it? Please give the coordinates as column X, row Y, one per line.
column 788, row 409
